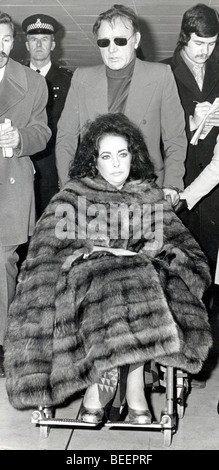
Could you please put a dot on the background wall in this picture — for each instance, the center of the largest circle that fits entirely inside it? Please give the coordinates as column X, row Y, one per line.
column 160, row 22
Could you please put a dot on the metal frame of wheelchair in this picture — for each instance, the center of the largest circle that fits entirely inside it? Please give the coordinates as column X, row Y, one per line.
column 175, row 383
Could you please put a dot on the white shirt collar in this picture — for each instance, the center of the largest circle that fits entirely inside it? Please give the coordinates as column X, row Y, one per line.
column 2, row 71
column 44, row 70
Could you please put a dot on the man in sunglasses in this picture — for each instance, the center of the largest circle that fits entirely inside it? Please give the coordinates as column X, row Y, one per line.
column 145, row 92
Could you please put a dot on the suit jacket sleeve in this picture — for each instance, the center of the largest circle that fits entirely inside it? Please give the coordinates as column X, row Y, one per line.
column 68, row 131
column 36, row 134
column 173, row 133
column 205, row 182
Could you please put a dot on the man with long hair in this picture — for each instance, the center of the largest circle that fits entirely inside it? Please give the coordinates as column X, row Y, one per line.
column 196, row 69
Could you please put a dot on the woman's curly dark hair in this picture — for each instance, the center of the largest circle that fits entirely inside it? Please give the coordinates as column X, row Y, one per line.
column 112, row 124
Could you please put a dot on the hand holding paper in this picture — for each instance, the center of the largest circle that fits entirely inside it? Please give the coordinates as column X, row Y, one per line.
column 7, row 151
column 204, row 128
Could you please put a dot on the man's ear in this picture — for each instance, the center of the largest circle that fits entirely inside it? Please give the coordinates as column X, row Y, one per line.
column 137, row 39
column 12, row 45
column 27, row 45
column 53, row 45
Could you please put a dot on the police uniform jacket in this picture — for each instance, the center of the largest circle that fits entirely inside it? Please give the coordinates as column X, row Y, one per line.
column 58, row 81
column 23, row 97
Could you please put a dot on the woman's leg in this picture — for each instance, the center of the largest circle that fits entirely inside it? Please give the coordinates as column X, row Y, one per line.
column 92, row 397
column 135, row 394
column 138, row 412
column 92, row 410
column 98, row 396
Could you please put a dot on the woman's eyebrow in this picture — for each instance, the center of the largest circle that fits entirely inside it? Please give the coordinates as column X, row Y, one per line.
column 105, row 151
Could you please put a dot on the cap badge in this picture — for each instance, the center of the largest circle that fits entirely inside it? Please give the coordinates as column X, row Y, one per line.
column 40, row 25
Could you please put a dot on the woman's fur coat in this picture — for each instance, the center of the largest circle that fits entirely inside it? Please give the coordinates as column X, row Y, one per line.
column 78, row 312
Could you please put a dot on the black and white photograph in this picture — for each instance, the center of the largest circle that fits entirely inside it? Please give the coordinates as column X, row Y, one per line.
column 109, row 232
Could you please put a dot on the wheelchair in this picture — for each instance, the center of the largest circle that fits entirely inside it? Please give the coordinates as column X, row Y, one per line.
column 175, row 386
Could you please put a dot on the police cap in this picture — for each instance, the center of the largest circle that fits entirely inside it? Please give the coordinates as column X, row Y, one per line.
column 40, row 24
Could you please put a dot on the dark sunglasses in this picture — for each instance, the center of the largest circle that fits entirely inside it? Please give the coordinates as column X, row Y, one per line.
column 118, row 41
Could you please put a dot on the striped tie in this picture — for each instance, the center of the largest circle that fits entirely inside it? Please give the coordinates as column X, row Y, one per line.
column 198, row 71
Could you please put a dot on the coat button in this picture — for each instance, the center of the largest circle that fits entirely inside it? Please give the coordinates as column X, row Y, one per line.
column 12, row 180
column 201, row 166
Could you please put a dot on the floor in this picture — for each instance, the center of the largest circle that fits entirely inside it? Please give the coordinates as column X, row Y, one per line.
column 197, row 430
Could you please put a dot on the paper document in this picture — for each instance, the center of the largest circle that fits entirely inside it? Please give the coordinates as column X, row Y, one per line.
column 216, row 281
column 7, row 151
column 203, row 130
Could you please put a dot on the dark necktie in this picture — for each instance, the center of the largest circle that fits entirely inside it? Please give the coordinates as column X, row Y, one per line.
column 37, row 70
column 198, row 70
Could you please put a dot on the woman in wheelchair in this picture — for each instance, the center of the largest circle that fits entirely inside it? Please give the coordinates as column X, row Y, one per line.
column 112, row 278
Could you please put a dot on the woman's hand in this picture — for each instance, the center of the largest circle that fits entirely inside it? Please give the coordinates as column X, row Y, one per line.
column 171, row 195
column 114, row 251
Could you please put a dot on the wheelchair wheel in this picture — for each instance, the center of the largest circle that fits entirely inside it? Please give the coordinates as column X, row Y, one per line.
column 181, row 405
column 167, row 437
column 44, row 429
column 181, row 392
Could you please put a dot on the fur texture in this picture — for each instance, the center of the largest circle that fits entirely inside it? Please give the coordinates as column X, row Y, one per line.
column 75, row 316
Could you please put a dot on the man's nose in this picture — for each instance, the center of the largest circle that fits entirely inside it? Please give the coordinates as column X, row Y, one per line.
column 39, row 42
column 2, row 46
column 112, row 46
column 205, row 48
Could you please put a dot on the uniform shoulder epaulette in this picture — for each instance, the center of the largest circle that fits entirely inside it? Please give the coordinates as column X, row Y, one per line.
column 65, row 71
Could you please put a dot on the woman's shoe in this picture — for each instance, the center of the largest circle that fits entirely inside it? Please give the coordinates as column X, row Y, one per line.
column 92, row 415
column 139, row 416
column 102, row 392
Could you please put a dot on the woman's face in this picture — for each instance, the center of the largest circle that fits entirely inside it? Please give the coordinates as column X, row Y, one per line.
column 114, row 160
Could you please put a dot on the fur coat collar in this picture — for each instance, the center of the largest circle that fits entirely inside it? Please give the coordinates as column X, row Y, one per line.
column 78, row 312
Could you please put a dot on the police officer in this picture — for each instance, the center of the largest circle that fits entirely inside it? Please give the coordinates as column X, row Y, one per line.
column 40, row 42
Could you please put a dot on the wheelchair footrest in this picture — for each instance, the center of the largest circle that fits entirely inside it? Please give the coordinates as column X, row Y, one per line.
column 126, row 424
column 62, row 422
